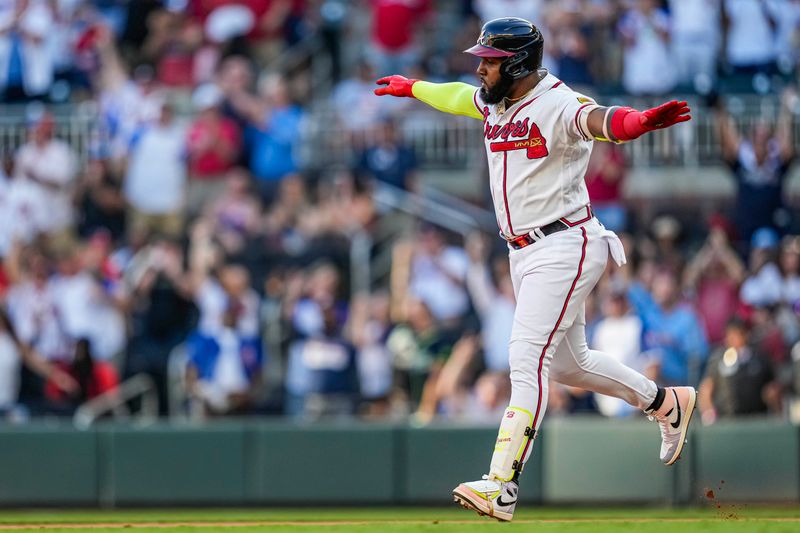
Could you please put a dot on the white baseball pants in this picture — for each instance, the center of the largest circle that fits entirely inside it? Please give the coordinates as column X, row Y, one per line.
column 552, row 278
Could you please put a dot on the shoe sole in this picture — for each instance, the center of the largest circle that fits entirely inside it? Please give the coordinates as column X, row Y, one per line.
column 462, row 496
column 688, row 412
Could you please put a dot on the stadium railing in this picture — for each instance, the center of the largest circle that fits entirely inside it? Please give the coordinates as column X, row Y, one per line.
column 451, row 142
column 440, row 141
column 77, row 124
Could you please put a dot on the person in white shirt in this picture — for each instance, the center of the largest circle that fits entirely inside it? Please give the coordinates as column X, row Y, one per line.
column 214, row 296
column 27, row 58
column 696, row 38
column 155, row 183
column 787, row 38
column 437, row 275
column 18, row 202
column 47, row 167
column 84, row 308
column 764, row 286
column 619, row 334
column 355, row 105
column 492, row 296
column 750, row 35
column 10, row 358
column 527, row 9
column 224, row 368
column 31, row 305
column 648, row 63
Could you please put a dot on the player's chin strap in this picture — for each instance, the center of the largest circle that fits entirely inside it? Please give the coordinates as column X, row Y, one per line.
column 514, row 444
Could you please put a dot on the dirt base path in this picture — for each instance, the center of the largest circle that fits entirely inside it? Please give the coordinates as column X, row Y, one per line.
column 299, row 523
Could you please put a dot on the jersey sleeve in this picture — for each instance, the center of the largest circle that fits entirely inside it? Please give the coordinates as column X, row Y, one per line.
column 455, row 98
column 575, row 112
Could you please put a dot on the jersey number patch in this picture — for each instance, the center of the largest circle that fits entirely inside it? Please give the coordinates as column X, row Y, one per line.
column 535, row 144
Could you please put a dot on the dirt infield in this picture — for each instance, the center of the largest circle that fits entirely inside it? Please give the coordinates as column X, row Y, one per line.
column 329, row 523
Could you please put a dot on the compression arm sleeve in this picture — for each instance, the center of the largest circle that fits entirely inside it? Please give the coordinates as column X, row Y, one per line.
column 455, row 98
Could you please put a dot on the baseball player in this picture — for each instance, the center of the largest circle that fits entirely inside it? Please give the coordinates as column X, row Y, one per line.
column 538, row 134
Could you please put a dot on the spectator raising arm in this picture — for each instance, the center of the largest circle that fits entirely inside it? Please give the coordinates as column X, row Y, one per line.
column 729, row 137
column 479, row 281
column 716, row 249
column 788, row 113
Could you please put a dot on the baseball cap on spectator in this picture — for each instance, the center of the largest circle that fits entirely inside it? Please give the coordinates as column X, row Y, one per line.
column 207, row 96
column 764, row 239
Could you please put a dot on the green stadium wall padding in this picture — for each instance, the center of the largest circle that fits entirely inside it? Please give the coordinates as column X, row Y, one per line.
column 322, row 464
column 593, row 459
column 749, row 461
column 176, row 466
column 574, row 460
column 48, row 466
column 437, row 459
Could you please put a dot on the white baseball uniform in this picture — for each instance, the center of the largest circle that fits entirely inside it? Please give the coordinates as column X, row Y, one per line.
column 538, row 152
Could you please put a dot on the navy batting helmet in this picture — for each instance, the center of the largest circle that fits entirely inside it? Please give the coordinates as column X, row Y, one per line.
column 515, row 39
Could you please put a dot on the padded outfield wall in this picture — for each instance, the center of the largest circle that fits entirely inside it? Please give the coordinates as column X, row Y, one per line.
column 576, row 460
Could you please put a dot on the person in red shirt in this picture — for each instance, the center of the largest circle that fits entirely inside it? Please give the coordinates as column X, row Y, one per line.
column 214, row 144
column 270, row 17
column 605, row 179
column 714, row 275
column 5, row 283
column 394, row 25
column 92, row 376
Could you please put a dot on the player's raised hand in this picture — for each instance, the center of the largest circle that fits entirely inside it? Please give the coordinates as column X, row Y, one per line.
column 395, row 86
column 628, row 124
column 665, row 115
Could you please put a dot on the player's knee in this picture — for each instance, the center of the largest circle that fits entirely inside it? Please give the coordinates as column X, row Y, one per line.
column 524, row 359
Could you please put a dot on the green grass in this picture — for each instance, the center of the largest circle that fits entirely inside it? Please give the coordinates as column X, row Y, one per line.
column 730, row 518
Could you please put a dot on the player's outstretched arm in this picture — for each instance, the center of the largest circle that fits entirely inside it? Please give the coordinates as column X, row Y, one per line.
column 618, row 124
column 455, row 98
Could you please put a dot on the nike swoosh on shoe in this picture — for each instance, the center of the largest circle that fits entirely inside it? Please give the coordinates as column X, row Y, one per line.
column 677, row 423
column 504, row 503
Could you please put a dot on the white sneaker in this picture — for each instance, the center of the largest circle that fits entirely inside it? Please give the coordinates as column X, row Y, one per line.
column 488, row 497
column 673, row 418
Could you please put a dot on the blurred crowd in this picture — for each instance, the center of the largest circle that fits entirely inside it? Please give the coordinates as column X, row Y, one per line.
column 193, row 242
column 59, row 49
column 646, row 47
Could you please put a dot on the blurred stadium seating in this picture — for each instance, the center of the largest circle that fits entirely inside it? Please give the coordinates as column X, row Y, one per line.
column 217, row 205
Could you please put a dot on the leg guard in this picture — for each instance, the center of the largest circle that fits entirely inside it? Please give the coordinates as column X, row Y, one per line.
column 514, row 444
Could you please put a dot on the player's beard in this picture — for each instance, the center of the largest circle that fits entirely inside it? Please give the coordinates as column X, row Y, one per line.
column 496, row 93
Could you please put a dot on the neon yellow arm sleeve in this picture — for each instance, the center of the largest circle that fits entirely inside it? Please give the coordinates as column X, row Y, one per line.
column 455, row 98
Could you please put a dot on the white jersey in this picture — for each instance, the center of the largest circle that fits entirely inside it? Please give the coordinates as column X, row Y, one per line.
column 537, row 155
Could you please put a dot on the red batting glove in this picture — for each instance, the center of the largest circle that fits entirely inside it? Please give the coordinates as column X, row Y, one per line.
column 628, row 124
column 395, row 86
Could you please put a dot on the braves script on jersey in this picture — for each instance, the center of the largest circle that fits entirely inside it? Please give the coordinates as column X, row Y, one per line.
column 537, row 156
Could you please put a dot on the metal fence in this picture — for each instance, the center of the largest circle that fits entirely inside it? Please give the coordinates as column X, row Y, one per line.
column 441, row 141
column 452, row 142
column 78, row 125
